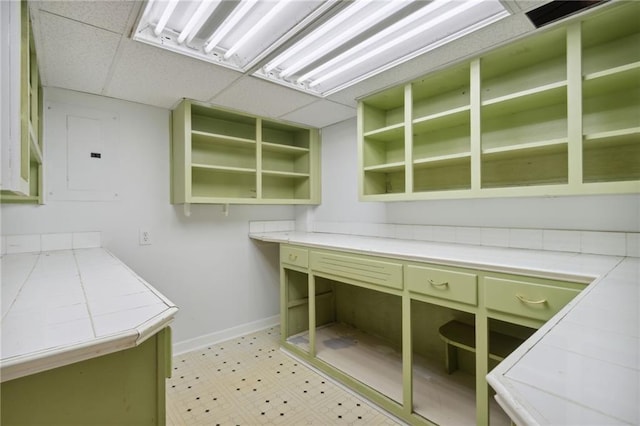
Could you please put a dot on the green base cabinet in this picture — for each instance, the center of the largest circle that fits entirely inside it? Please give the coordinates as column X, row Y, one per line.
column 123, row 388
column 417, row 339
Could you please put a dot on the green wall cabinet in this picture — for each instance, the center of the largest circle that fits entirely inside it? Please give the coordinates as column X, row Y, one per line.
column 555, row 113
column 225, row 157
column 22, row 153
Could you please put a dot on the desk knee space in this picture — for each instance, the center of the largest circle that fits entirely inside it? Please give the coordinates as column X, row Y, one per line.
column 457, row 334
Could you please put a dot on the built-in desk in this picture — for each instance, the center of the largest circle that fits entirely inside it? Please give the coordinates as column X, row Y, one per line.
column 367, row 311
column 84, row 340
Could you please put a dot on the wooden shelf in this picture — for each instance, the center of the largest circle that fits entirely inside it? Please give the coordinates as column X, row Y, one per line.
column 530, row 99
column 612, row 80
column 223, row 168
column 276, row 147
column 216, row 160
column 442, row 119
column 206, row 137
column 518, row 150
column 386, row 168
column 388, row 133
column 632, row 69
column 613, row 135
column 442, row 160
column 284, row 174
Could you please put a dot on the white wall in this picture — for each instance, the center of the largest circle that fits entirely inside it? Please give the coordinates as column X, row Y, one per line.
column 205, row 263
column 598, row 212
column 340, row 179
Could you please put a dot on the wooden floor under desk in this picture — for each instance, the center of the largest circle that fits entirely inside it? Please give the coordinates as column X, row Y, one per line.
column 445, row 399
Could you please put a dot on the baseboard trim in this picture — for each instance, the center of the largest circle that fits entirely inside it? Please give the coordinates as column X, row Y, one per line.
column 224, row 335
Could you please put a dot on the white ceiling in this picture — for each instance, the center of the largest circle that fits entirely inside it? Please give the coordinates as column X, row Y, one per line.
column 86, row 46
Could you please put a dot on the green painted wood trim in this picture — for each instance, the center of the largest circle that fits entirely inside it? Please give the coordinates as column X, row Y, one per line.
column 259, row 158
column 407, row 357
column 25, row 96
column 408, row 139
column 475, row 88
column 312, row 314
column 574, row 103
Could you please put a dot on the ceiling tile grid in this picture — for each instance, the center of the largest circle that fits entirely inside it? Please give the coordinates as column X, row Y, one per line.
column 74, row 55
column 146, row 74
column 108, row 15
column 261, row 97
column 321, row 113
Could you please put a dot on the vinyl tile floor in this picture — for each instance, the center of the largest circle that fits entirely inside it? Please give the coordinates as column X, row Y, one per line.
column 250, row 381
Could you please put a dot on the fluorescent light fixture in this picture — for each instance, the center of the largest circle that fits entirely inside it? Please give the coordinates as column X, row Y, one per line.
column 255, row 30
column 328, row 45
column 374, row 40
column 197, row 20
column 298, row 47
column 168, row 10
column 237, row 14
column 317, row 46
column 430, row 23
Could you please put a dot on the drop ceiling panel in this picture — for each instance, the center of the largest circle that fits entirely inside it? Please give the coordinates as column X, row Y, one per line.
column 108, row 15
column 149, row 75
column 74, row 55
column 260, row 97
column 321, row 113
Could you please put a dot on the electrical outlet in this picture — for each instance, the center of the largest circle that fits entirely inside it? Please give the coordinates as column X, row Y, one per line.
column 144, row 237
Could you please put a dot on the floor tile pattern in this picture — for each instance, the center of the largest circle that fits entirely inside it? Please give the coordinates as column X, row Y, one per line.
column 250, row 381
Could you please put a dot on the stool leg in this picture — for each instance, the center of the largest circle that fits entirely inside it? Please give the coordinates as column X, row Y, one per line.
column 451, row 358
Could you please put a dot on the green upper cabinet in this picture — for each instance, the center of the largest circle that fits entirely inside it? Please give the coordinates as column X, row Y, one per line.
column 611, row 96
column 555, row 113
column 224, row 157
column 22, row 98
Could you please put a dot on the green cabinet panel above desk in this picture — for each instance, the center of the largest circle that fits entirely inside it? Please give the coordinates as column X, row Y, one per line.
column 224, row 157
column 555, row 113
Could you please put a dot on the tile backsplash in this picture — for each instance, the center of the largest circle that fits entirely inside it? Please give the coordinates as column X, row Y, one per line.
column 33, row 243
column 592, row 242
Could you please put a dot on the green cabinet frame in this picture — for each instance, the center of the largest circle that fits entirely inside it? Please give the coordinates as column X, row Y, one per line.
column 225, row 157
column 555, row 113
column 393, row 301
column 28, row 174
column 124, row 387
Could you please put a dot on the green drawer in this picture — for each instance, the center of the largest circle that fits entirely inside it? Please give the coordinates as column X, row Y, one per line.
column 294, row 256
column 450, row 285
column 361, row 268
column 526, row 299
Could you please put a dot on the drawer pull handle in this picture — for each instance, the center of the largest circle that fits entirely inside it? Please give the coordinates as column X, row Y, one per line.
column 293, row 257
column 438, row 285
column 531, row 302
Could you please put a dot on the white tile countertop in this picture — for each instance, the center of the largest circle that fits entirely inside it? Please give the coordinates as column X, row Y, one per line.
column 582, row 366
column 65, row 306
